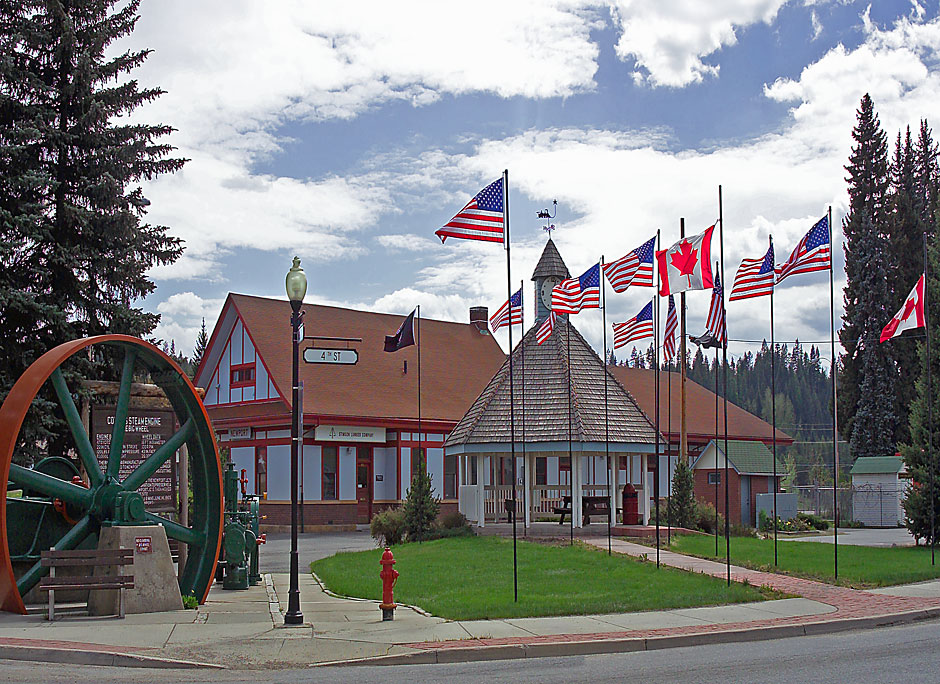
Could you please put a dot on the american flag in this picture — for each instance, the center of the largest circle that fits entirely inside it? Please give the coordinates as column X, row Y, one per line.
column 512, row 309
column 545, row 330
column 672, row 323
column 481, row 219
column 715, row 323
column 812, row 254
column 755, row 277
column 636, row 268
column 637, row 328
column 574, row 294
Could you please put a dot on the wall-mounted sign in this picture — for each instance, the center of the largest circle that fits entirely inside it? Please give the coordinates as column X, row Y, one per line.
column 349, row 433
column 239, row 433
column 144, row 544
column 379, row 477
column 342, row 357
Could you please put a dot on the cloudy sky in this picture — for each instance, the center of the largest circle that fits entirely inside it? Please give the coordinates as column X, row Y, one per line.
column 347, row 133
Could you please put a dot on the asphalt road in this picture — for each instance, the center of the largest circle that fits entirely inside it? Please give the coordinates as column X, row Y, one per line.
column 275, row 555
column 891, row 654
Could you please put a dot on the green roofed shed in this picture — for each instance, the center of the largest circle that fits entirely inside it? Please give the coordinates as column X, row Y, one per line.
column 877, row 465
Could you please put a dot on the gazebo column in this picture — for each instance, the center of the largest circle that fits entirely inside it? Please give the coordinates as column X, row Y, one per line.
column 614, row 486
column 529, row 470
column 481, row 492
column 577, row 477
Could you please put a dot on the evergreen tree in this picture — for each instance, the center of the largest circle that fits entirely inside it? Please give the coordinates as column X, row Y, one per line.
column 867, row 296
column 75, row 253
column 420, row 505
column 682, row 502
column 202, row 341
column 921, row 462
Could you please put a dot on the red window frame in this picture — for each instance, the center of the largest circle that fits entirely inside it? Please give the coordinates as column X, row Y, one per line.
column 246, row 369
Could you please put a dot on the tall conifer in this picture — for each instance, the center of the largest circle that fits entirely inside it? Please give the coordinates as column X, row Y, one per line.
column 75, row 251
column 867, row 369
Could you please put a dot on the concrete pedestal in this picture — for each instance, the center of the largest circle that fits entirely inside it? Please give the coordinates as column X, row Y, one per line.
column 155, row 586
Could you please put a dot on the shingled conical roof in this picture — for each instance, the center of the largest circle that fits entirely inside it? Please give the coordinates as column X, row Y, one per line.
column 550, row 263
column 545, row 368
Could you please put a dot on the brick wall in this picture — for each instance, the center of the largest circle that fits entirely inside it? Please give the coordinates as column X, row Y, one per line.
column 706, row 492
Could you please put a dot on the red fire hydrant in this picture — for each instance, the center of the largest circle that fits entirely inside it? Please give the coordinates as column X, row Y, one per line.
column 388, row 575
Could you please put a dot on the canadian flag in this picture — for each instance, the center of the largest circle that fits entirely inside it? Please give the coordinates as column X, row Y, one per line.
column 910, row 316
column 686, row 265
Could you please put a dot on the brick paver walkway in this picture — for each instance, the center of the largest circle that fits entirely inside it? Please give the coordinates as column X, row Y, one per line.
column 849, row 603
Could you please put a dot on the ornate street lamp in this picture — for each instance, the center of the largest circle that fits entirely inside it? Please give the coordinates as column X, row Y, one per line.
column 296, row 289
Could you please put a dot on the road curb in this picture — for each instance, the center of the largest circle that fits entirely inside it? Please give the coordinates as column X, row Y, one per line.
column 567, row 647
column 71, row 656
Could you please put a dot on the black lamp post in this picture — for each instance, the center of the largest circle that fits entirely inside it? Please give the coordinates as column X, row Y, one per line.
column 296, row 289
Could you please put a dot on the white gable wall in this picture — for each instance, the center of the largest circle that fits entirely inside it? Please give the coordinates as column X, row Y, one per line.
column 237, row 349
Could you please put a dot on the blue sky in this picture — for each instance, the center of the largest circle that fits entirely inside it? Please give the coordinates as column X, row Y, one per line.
column 348, row 135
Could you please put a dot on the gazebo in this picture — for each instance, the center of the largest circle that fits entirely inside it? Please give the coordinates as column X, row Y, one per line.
column 563, row 445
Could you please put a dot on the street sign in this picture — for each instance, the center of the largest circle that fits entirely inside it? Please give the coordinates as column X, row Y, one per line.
column 343, row 357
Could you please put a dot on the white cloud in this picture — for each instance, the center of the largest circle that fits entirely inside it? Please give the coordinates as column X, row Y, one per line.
column 404, row 243
column 670, row 39
column 181, row 317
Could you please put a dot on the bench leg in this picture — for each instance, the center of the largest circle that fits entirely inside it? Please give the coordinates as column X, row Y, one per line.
column 121, row 603
column 51, row 605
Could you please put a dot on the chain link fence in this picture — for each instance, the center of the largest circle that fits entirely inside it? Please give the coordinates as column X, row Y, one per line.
column 873, row 505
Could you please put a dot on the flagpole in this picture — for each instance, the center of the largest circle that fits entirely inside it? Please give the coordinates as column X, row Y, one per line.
column 724, row 379
column 418, row 345
column 835, row 411
column 717, row 394
column 669, row 413
column 570, row 457
column 773, row 403
column 512, row 397
column 525, row 469
column 656, row 381
column 933, row 473
column 606, row 421
column 683, row 435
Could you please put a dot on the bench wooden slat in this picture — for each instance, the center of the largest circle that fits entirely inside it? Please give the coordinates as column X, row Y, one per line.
column 84, row 562
column 87, row 582
column 88, row 553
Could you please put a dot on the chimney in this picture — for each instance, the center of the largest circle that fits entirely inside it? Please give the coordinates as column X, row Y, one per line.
column 479, row 318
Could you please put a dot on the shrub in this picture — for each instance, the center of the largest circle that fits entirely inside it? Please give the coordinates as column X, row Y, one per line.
column 190, row 602
column 739, row 530
column 766, row 524
column 420, row 506
column 704, row 519
column 814, row 521
column 454, row 520
column 388, row 527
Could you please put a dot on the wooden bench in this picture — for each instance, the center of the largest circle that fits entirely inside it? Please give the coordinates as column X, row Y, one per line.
column 590, row 505
column 90, row 558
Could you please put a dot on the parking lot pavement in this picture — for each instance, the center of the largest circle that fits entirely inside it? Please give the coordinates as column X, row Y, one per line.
column 892, row 536
column 311, row 546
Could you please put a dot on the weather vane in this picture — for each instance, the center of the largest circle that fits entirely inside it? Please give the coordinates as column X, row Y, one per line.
column 544, row 214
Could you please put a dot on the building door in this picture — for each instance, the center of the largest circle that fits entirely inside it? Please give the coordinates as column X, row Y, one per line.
column 363, row 484
column 746, row 518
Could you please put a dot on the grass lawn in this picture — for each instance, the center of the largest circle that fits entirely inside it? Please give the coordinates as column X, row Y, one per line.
column 859, row 566
column 471, row 578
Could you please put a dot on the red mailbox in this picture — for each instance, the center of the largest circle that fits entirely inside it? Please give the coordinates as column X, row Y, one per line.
column 631, row 505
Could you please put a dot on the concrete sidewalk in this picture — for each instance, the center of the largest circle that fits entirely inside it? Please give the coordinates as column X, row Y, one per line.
column 244, row 629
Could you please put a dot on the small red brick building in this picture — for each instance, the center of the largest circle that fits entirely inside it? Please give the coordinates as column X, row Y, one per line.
column 750, row 472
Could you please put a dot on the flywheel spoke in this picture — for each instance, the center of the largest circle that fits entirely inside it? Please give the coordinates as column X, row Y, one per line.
column 85, row 450
column 177, row 531
column 71, row 540
column 160, row 456
column 50, row 486
column 120, row 412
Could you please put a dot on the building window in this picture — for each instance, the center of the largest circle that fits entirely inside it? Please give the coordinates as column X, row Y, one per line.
column 418, row 455
column 450, row 476
column 328, row 479
column 714, row 477
column 541, row 471
column 243, row 375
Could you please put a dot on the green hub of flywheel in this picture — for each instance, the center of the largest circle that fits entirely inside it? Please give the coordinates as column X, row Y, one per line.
column 113, row 505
